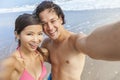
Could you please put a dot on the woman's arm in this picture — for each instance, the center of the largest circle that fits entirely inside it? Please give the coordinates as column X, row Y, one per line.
column 10, row 68
column 45, row 51
column 6, row 68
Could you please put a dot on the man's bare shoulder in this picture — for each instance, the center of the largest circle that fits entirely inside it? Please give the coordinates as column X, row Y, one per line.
column 75, row 41
column 77, row 35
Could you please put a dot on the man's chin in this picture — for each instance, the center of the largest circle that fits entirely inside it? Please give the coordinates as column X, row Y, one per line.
column 53, row 37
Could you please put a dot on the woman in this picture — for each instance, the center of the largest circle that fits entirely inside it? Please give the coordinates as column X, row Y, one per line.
column 26, row 62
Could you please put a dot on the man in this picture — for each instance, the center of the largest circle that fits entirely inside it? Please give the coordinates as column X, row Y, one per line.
column 67, row 50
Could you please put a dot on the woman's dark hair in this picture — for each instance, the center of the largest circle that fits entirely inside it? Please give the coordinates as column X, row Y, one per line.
column 25, row 20
column 51, row 6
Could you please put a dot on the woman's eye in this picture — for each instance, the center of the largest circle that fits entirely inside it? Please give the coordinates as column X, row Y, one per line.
column 29, row 34
column 41, row 33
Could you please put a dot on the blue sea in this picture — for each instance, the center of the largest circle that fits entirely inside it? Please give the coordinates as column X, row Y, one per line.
column 76, row 21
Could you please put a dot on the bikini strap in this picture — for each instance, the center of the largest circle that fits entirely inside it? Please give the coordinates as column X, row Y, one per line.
column 18, row 48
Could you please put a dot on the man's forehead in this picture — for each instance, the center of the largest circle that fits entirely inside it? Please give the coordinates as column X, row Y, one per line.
column 47, row 15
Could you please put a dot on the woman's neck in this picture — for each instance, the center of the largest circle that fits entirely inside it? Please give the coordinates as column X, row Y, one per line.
column 26, row 53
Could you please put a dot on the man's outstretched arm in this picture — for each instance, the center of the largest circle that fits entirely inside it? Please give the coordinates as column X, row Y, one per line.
column 103, row 43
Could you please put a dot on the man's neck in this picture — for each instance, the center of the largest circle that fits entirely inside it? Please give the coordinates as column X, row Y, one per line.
column 63, row 36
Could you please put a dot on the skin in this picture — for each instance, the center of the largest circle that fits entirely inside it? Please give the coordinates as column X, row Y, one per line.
column 66, row 60
column 67, row 50
column 107, row 37
column 12, row 67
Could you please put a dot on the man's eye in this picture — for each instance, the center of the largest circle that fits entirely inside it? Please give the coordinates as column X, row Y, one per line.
column 53, row 21
column 43, row 23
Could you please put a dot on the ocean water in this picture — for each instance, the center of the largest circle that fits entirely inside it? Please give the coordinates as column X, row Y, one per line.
column 76, row 21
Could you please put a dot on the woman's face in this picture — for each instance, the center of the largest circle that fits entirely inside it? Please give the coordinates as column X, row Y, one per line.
column 31, row 37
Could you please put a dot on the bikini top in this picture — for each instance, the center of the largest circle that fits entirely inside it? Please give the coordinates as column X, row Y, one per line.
column 27, row 76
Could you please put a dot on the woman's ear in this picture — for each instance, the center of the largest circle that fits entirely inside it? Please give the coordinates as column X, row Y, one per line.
column 16, row 35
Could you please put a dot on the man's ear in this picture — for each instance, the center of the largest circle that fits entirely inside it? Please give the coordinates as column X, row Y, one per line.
column 61, row 20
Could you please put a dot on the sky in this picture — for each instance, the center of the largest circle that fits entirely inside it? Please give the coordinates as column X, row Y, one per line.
column 17, row 3
column 29, row 5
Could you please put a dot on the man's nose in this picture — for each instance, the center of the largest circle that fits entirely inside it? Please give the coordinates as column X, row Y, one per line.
column 50, row 26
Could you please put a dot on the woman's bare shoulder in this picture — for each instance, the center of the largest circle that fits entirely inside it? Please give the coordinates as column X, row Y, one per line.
column 8, row 66
column 8, row 61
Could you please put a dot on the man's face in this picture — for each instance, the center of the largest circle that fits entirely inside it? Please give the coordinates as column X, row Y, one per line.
column 51, row 23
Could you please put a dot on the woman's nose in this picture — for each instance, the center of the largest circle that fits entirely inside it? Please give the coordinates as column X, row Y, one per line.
column 37, row 39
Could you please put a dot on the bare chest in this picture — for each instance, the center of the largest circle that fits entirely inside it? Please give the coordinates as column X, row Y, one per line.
column 64, row 55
